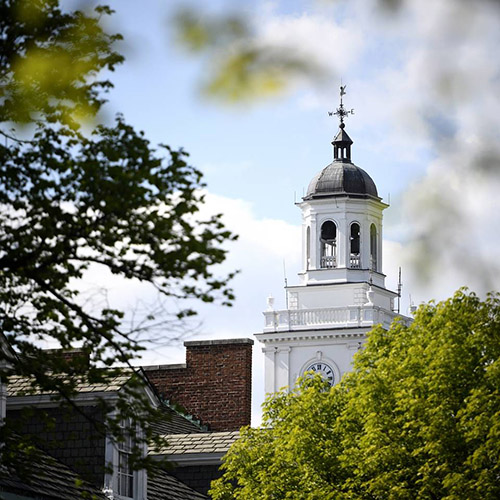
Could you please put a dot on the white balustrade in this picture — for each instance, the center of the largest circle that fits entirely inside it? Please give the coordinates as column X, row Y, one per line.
column 327, row 317
column 328, row 261
column 355, row 261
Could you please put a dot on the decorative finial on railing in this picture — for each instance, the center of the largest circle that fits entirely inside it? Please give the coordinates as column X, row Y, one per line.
column 341, row 112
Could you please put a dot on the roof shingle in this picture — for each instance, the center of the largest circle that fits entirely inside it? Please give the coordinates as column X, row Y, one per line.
column 163, row 486
column 23, row 386
column 198, row 443
column 48, row 479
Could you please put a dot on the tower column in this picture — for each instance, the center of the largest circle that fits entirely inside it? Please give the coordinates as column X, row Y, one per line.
column 343, row 239
column 314, row 243
column 379, row 243
column 365, row 244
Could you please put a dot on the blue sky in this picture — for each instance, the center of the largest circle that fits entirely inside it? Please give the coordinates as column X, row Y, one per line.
column 424, row 86
column 265, row 151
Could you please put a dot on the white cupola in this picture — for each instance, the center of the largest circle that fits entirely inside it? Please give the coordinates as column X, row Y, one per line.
column 342, row 222
column 342, row 293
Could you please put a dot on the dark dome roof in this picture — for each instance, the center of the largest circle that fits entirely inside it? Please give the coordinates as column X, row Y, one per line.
column 341, row 179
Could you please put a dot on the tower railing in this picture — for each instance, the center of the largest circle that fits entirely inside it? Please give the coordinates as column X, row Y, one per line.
column 328, row 261
column 355, row 261
column 328, row 317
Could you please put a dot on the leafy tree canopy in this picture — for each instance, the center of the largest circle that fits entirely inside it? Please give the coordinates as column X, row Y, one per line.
column 50, row 59
column 418, row 418
column 70, row 200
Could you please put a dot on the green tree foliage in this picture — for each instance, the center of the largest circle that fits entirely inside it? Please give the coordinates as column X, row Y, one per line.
column 418, row 418
column 71, row 200
column 239, row 67
column 50, row 60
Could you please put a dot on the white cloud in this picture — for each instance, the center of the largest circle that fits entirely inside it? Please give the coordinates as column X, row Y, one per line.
column 333, row 44
column 269, row 236
column 262, row 247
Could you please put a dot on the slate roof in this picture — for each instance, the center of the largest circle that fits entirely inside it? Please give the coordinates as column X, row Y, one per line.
column 199, row 443
column 48, row 479
column 22, row 386
column 176, row 423
column 51, row 480
column 163, row 486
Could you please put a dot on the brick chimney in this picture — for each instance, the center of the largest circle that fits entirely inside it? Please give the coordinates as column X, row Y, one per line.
column 73, row 355
column 215, row 384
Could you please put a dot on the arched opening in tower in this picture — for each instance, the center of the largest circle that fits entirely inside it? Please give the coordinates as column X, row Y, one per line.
column 328, row 244
column 354, row 257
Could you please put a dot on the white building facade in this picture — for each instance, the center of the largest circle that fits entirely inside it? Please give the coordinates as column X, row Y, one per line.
column 342, row 293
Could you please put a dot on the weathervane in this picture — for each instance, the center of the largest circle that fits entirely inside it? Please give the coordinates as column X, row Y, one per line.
column 341, row 112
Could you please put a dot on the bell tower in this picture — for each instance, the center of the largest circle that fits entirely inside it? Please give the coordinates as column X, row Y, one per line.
column 342, row 293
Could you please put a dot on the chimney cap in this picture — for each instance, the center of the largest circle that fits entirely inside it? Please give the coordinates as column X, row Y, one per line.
column 196, row 343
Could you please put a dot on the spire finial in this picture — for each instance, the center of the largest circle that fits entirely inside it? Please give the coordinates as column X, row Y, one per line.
column 342, row 142
column 341, row 112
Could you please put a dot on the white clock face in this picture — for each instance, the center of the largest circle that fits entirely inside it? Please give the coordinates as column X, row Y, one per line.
column 324, row 370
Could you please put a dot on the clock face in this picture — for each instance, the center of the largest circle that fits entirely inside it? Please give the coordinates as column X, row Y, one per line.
column 324, row 370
